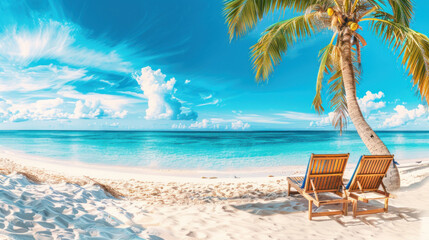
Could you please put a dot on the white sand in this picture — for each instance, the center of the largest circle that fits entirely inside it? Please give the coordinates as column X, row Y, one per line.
column 163, row 204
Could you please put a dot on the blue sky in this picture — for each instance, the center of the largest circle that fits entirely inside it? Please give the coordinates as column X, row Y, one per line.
column 169, row 65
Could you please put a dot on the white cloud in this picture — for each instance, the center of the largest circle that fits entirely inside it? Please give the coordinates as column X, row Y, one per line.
column 403, row 115
column 37, row 78
column 115, row 124
column 299, row 116
column 178, row 126
column 214, row 124
column 324, row 121
column 214, row 102
column 367, row 103
column 107, row 82
column 161, row 102
column 259, row 119
column 187, row 81
column 207, row 97
column 92, row 109
column 239, row 125
column 46, row 109
column 107, row 101
column 55, row 109
column 202, row 124
column 55, row 40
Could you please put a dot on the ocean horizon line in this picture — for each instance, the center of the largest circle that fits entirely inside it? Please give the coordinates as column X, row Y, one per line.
column 197, row 131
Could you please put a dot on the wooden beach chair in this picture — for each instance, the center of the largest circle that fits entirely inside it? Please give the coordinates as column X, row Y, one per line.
column 366, row 181
column 324, row 174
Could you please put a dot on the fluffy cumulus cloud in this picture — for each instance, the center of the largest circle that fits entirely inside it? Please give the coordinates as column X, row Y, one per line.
column 239, row 125
column 371, row 102
column 161, row 102
column 92, row 109
column 205, row 123
column 46, row 109
column 324, row 121
column 403, row 116
column 55, row 109
column 92, row 103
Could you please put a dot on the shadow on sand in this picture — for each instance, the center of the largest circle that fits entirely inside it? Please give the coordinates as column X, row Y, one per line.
column 298, row 205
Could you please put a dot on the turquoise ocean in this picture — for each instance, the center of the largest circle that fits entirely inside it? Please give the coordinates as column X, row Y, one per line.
column 205, row 150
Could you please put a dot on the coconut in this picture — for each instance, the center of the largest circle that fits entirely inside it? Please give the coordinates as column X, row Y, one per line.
column 330, row 11
column 354, row 26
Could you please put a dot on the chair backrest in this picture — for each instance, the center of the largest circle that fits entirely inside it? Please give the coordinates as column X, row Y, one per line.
column 325, row 172
column 369, row 172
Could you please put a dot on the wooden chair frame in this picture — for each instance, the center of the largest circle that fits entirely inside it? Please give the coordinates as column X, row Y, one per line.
column 368, row 178
column 319, row 180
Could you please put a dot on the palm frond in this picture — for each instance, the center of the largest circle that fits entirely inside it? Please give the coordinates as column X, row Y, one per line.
column 242, row 15
column 276, row 40
column 402, row 11
column 412, row 46
column 377, row 3
column 325, row 67
column 338, row 101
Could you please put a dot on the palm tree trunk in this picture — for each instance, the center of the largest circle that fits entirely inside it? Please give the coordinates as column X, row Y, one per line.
column 368, row 136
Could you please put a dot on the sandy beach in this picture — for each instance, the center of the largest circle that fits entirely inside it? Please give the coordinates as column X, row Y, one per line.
column 68, row 202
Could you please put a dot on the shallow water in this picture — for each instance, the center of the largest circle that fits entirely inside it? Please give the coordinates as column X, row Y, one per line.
column 207, row 150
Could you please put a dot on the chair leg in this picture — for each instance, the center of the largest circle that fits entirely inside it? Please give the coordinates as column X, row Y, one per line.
column 386, row 205
column 355, row 205
column 310, row 209
column 288, row 189
column 345, row 208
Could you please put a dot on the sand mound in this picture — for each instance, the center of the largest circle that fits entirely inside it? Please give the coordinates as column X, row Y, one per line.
column 64, row 211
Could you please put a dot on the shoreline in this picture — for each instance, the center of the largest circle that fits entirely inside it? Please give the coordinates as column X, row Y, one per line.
column 173, row 187
column 122, row 172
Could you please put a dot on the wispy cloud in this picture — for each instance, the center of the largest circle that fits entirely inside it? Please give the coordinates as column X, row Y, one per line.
column 55, row 40
column 255, row 118
column 299, row 116
column 207, row 97
column 37, row 78
column 214, row 102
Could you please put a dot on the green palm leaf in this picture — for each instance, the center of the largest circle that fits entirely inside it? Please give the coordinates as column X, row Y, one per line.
column 326, row 63
column 402, row 11
column 276, row 40
column 242, row 15
column 412, row 46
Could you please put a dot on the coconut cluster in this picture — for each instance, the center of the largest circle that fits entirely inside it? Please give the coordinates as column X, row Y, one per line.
column 338, row 19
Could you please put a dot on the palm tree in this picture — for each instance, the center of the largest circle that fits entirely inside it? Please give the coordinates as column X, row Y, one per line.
column 340, row 60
